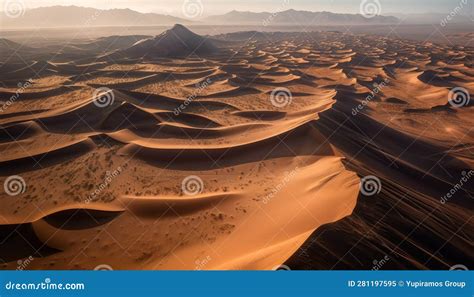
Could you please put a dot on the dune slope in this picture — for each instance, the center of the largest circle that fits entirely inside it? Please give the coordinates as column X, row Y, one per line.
column 236, row 155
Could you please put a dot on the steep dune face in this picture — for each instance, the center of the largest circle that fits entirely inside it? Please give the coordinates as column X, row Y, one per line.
column 419, row 146
column 176, row 164
column 244, row 157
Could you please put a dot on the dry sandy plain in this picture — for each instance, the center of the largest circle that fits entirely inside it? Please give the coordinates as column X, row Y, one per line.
column 237, row 151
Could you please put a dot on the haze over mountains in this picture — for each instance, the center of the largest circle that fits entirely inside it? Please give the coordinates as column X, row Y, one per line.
column 74, row 16
column 295, row 17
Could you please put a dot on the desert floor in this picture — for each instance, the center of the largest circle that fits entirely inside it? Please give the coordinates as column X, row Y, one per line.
column 249, row 157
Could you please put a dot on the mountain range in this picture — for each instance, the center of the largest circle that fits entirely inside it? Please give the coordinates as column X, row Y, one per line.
column 74, row 16
column 297, row 17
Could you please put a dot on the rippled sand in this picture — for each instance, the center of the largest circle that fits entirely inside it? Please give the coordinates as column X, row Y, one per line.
column 239, row 158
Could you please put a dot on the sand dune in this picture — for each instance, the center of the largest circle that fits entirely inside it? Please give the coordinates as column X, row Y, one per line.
column 221, row 154
column 176, row 42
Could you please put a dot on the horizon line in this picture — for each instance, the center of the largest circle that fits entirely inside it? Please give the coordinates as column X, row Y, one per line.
column 223, row 13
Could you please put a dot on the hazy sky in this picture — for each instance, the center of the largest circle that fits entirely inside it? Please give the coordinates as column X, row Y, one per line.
column 209, row 7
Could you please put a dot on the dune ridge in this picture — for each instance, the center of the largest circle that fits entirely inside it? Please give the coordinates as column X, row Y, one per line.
column 223, row 155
